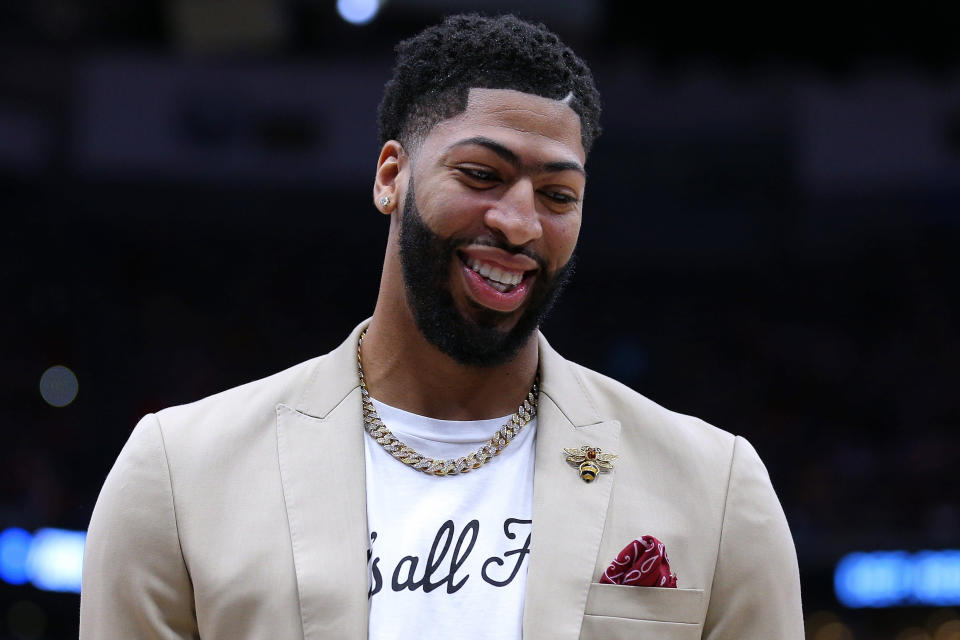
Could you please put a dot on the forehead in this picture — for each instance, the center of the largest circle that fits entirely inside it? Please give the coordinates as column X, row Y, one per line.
column 515, row 119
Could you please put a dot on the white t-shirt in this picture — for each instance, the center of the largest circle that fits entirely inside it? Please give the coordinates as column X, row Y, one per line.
column 448, row 555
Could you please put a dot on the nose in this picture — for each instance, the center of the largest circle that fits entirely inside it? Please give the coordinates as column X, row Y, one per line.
column 514, row 216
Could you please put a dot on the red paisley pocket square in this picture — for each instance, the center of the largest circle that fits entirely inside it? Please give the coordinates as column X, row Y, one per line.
column 642, row 563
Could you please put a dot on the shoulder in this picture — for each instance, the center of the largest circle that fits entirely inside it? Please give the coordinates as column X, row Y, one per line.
column 237, row 410
column 669, row 433
column 241, row 423
column 313, row 387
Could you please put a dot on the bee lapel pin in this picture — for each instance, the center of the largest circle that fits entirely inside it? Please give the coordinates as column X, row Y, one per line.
column 590, row 461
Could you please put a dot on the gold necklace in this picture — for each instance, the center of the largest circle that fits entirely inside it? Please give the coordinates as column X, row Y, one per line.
column 453, row 466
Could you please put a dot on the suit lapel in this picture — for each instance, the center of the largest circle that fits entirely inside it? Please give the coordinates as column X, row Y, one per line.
column 568, row 513
column 320, row 446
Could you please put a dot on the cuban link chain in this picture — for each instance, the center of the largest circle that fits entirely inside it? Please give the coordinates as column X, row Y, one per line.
column 453, row 466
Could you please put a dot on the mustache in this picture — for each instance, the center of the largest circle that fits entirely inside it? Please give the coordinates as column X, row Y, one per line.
column 504, row 246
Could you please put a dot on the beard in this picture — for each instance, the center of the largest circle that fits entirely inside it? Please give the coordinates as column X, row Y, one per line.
column 477, row 341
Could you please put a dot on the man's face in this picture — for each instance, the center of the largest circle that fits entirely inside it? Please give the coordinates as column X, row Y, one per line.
column 489, row 222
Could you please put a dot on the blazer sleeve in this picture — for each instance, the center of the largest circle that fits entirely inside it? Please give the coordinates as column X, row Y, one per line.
column 135, row 581
column 756, row 586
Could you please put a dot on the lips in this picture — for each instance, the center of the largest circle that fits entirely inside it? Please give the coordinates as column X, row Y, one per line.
column 501, row 279
column 495, row 285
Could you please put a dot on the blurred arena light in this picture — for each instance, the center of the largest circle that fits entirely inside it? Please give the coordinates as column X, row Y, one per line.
column 50, row 559
column 14, row 547
column 58, row 386
column 898, row 578
column 358, row 11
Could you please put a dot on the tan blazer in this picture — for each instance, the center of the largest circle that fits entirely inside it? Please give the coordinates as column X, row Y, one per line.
column 243, row 516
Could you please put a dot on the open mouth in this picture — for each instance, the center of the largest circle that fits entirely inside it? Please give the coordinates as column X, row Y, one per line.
column 500, row 279
column 496, row 279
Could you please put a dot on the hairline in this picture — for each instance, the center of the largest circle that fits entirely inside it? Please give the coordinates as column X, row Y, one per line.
column 412, row 141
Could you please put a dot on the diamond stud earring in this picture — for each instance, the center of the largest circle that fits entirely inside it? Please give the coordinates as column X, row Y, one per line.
column 385, row 201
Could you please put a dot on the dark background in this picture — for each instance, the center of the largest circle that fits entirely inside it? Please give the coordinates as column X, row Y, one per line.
column 770, row 220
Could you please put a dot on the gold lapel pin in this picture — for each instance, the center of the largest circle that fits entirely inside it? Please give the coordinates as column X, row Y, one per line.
column 590, row 460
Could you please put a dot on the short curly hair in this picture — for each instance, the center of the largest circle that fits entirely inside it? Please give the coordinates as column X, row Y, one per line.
column 436, row 68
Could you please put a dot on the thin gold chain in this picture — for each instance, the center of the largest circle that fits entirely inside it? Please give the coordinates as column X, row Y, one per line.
column 453, row 466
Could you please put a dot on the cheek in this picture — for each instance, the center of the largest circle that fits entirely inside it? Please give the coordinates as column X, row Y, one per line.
column 562, row 233
column 446, row 213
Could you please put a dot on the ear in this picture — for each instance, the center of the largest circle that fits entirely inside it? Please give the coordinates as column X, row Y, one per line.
column 387, row 184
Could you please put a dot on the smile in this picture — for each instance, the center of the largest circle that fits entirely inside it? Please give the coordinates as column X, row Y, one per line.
column 500, row 279
column 497, row 280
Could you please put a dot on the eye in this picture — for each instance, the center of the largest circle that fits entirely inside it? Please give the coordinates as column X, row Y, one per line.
column 480, row 175
column 560, row 197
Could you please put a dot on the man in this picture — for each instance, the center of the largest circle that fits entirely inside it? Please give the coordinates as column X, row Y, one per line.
column 415, row 481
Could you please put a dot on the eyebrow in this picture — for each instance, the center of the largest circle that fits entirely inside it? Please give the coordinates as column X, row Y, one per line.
column 514, row 159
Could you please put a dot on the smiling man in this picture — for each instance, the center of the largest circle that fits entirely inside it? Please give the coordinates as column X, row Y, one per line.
column 444, row 473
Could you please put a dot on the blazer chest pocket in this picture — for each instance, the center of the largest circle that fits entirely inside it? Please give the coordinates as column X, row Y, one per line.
column 614, row 612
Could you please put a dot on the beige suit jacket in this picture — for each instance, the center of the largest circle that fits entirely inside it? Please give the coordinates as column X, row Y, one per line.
column 243, row 516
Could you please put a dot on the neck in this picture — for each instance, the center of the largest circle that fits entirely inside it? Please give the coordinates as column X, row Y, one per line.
column 405, row 371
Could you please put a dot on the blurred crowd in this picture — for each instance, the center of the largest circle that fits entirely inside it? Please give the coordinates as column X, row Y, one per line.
column 770, row 257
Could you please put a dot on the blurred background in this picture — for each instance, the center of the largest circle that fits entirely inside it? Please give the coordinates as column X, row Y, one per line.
column 185, row 196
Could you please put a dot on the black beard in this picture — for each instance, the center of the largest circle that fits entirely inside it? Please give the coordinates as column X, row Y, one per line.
column 426, row 258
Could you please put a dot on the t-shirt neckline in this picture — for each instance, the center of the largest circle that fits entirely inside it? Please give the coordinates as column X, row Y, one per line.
column 405, row 423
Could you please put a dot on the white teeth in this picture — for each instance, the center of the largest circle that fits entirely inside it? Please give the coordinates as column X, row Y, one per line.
column 495, row 274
